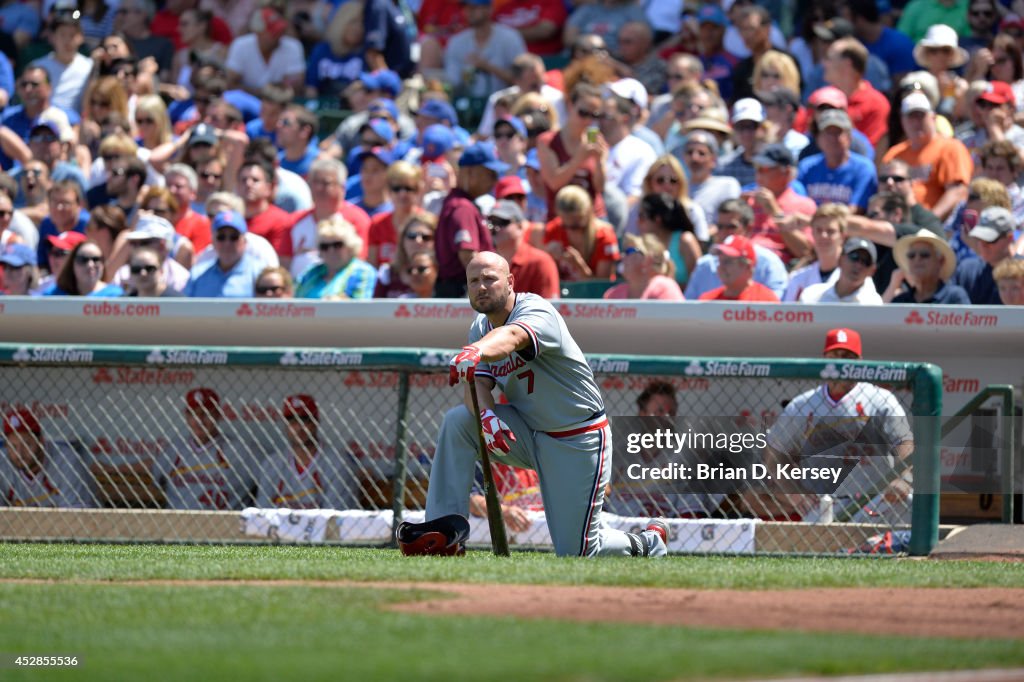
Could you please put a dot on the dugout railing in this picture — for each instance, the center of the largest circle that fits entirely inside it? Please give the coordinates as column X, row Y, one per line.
column 114, row 416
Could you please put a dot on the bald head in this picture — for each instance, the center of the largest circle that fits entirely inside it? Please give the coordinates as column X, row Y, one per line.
column 489, row 284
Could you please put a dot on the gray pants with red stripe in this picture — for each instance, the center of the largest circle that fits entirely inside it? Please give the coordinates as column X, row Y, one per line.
column 573, row 473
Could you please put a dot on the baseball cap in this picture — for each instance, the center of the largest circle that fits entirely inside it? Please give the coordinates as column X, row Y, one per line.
column 993, row 223
column 775, row 155
column 833, row 117
column 203, row 133
column 300, row 405
column 229, row 219
column 747, row 109
column 736, row 246
column 273, row 22
column 831, row 96
column 380, row 128
column 203, row 399
column 58, row 128
column 712, row 14
column 438, row 140
column 702, row 137
column 382, row 154
column 508, row 186
column 383, row 106
column 18, row 255
column 517, row 125
column 482, row 154
column 833, row 29
column 20, row 420
column 860, row 244
column 844, row 339
column 915, row 101
column 388, row 81
column 442, row 111
column 66, row 240
column 631, row 89
column 507, row 210
column 998, row 92
column 152, row 227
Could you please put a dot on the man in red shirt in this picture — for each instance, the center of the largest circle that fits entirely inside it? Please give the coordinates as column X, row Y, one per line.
column 535, row 271
column 845, row 63
column 183, row 183
column 538, row 21
column 256, row 185
column 736, row 259
column 165, row 23
column 461, row 232
column 773, row 199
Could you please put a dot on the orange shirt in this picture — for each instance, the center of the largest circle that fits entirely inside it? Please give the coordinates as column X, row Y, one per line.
column 196, row 227
column 606, row 245
column 940, row 163
column 755, row 291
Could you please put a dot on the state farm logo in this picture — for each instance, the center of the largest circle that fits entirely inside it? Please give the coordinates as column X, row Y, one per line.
column 71, row 355
column 694, row 369
column 564, row 311
column 830, row 372
column 143, row 376
column 597, row 311
column 102, row 376
column 327, row 358
column 244, row 310
column 402, row 311
column 913, row 318
column 186, row 357
column 606, row 366
column 860, row 373
column 938, row 318
column 437, row 311
column 433, row 360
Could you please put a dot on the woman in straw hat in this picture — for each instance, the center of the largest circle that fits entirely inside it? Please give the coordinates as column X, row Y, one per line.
column 926, row 262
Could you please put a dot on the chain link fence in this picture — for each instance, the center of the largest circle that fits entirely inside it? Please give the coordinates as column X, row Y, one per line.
column 212, row 445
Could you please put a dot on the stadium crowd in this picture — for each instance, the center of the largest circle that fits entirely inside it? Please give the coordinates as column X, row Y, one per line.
column 842, row 150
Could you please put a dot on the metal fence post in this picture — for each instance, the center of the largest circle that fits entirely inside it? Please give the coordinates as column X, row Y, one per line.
column 927, row 408
column 401, row 458
column 1006, row 427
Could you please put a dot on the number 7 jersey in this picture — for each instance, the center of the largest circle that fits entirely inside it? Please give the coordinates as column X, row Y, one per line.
column 549, row 382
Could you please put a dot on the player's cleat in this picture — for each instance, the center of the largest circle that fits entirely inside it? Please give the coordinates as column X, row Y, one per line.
column 660, row 527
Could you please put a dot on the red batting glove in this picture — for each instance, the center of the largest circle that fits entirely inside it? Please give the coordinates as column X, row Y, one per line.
column 497, row 434
column 462, row 367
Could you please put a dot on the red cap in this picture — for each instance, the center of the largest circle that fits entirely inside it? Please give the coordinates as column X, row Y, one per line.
column 843, row 338
column 830, row 95
column 21, row 421
column 273, row 22
column 300, row 405
column 510, row 184
column 203, row 399
column 736, row 246
column 998, row 92
column 66, row 240
column 1011, row 21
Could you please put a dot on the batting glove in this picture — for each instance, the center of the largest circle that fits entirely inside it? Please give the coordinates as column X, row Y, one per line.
column 463, row 366
column 497, row 434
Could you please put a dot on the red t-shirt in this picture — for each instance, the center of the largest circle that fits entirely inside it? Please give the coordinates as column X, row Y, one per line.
column 755, row 291
column 606, row 245
column 196, row 227
column 535, row 271
column 765, row 232
column 441, row 19
column 520, row 14
column 869, row 112
column 274, row 225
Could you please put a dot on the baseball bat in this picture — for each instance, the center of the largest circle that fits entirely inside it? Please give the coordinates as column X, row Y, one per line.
column 499, row 539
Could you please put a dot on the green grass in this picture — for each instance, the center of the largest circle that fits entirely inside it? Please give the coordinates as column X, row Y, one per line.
column 249, row 632
column 148, row 562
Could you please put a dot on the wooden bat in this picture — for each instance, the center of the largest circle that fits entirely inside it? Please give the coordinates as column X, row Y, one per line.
column 499, row 538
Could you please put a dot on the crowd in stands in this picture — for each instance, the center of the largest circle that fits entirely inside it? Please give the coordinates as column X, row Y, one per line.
column 831, row 151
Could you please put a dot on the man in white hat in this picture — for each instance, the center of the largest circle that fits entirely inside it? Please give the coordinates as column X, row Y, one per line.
column 926, row 263
column 747, row 117
column 941, row 168
column 155, row 233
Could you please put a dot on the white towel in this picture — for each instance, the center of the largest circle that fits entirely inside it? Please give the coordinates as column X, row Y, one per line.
column 287, row 525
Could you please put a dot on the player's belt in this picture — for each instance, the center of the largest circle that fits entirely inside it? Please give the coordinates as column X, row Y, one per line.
column 594, row 426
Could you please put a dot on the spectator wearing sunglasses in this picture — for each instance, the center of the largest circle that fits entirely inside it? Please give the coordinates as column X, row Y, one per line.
column 993, row 241
column 534, row 270
column 340, row 275
column 925, row 265
column 153, row 232
column 275, row 282
column 854, row 284
column 232, row 274
column 82, row 274
column 146, row 277
column 415, row 236
column 406, row 186
column 647, row 269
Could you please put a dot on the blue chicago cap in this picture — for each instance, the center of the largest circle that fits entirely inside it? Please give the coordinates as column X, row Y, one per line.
column 382, row 154
column 482, row 154
column 380, row 128
column 230, row 219
column 516, row 123
column 388, row 81
column 18, row 255
column 437, row 140
column 383, row 105
column 442, row 111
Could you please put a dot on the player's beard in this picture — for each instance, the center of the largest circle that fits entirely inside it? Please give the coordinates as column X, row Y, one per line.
column 491, row 304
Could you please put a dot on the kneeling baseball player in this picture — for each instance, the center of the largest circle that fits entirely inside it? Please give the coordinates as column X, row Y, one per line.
column 555, row 423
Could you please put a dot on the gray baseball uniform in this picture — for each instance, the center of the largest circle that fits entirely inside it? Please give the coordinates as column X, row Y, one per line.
column 557, row 414
column 218, row 475
column 328, row 483
column 63, row 481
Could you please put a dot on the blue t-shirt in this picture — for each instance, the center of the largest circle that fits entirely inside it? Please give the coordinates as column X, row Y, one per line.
column 853, row 183
column 301, row 166
column 248, row 105
column 20, row 17
column 718, row 67
column 947, row 294
column 209, row 281
column 975, row 276
column 896, row 49
column 255, row 129
column 329, row 73
column 388, row 32
column 17, row 120
column 48, row 229
column 109, row 291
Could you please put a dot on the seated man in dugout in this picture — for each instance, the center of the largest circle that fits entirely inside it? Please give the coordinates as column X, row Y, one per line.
column 307, row 474
column 40, row 472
